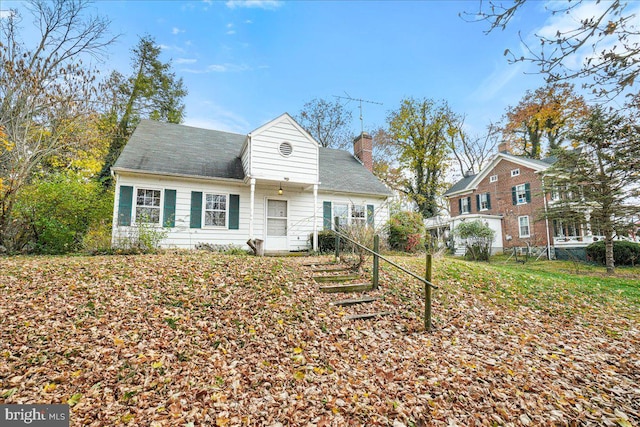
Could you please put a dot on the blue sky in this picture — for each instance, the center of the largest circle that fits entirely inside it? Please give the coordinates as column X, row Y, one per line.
column 245, row 63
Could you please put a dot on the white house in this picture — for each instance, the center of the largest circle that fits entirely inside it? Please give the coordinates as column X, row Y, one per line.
column 275, row 184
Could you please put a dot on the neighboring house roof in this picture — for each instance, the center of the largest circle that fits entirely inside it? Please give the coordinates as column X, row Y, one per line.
column 171, row 149
column 469, row 183
column 341, row 171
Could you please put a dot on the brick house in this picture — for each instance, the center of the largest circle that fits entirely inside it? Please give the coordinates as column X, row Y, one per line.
column 508, row 196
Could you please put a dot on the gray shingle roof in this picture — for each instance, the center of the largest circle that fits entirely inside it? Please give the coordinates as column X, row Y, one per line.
column 460, row 185
column 183, row 150
column 340, row 171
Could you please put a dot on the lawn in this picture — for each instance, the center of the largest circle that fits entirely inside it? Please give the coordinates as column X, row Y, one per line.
column 181, row 339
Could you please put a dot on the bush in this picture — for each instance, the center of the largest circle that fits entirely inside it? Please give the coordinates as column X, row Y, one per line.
column 406, row 232
column 56, row 212
column 326, row 241
column 624, row 253
column 478, row 239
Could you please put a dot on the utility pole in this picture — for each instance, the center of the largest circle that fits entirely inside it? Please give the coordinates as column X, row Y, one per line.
column 360, row 101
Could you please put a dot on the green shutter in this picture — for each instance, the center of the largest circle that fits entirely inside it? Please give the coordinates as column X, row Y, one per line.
column 196, row 209
column 234, row 212
column 527, row 190
column 488, row 201
column 370, row 215
column 514, row 196
column 460, row 206
column 125, row 204
column 326, row 215
column 478, row 202
column 169, row 217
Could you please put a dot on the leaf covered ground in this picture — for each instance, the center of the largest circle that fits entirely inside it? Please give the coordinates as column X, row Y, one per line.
column 183, row 339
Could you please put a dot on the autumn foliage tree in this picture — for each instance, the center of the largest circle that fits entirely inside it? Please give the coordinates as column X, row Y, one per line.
column 45, row 92
column 543, row 119
column 418, row 134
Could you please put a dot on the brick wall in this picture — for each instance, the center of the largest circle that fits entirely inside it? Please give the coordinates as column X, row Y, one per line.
column 501, row 201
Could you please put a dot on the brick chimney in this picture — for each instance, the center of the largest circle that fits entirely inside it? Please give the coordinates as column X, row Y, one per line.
column 363, row 150
column 503, row 147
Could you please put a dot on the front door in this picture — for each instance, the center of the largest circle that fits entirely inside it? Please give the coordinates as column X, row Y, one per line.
column 277, row 226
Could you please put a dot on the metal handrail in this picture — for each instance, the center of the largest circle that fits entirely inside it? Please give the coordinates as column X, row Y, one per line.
column 399, row 267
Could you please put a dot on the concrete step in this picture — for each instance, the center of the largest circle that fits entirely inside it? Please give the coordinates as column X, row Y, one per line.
column 368, row 315
column 353, row 301
column 353, row 287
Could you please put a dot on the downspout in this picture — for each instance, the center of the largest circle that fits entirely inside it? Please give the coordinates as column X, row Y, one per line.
column 315, row 217
column 546, row 221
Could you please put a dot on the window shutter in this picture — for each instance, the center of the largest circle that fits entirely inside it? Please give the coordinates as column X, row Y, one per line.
column 326, row 215
column 460, row 206
column 514, row 196
column 527, row 189
column 169, row 217
column 234, row 211
column 125, row 204
column 488, row 201
column 469, row 203
column 478, row 202
column 196, row 209
column 370, row 215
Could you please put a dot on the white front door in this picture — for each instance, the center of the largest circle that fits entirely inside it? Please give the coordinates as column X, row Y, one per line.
column 277, row 226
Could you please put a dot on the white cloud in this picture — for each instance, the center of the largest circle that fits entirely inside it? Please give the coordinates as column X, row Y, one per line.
column 185, row 61
column 248, row 21
column 176, row 30
column 212, row 116
column 492, row 85
column 231, row 32
column 171, row 48
column 5, row 14
column 229, row 25
column 219, row 68
column 255, row 4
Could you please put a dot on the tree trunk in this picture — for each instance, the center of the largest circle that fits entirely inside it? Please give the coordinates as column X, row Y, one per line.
column 608, row 252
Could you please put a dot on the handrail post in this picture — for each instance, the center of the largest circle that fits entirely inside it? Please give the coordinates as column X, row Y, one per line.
column 337, row 243
column 376, row 261
column 427, row 295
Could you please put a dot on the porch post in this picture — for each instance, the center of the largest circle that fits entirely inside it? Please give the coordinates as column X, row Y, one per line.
column 315, row 217
column 251, row 207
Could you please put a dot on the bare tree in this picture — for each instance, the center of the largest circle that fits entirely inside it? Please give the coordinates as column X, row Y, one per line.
column 328, row 123
column 606, row 42
column 45, row 90
column 472, row 152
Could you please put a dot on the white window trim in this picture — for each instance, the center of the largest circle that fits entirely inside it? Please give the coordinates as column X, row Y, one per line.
column 485, row 195
column 349, row 216
column 520, row 226
column 204, row 211
column 493, row 178
column 134, row 213
column 515, row 172
column 524, row 191
column 352, row 218
column 466, row 201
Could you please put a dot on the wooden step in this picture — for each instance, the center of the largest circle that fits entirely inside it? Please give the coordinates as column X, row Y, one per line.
column 336, row 278
column 354, row 287
column 353, row 301
column 367, row 315
column 315, row 264
column 330, row 269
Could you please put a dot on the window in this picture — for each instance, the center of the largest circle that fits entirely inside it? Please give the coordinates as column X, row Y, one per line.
column 520, row 194
column 515, row 172
column 342, row 212
column 358, row 216
column 565, row 229
column 148, row 206
column 523, row 223
column 484, row 203
column 555, row 194
column 215, row 210
column 493, row 178
column 465, row 205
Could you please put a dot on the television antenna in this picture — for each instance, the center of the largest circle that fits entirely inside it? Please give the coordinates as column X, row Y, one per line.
column 360, row 101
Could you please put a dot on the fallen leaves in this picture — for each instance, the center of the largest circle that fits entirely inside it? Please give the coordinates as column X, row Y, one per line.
column 198, row 339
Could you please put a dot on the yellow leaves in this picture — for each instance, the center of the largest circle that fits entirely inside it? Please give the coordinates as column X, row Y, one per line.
column 222, row 421
column 156, row 365
column 119, row 342
column 299, row 375
column 74, row 399
column 48, row 388
column 297, row 350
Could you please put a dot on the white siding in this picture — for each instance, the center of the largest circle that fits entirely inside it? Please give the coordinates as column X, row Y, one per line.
column 267, row 162
column 300, row 211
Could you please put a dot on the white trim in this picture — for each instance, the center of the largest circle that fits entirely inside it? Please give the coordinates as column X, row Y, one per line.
column 493, row 178
column 143, row 173
column 520, row 227
column 252, row 206
column 204, row 211
column 134, row 204
column 515, row 172
column 315, row 217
